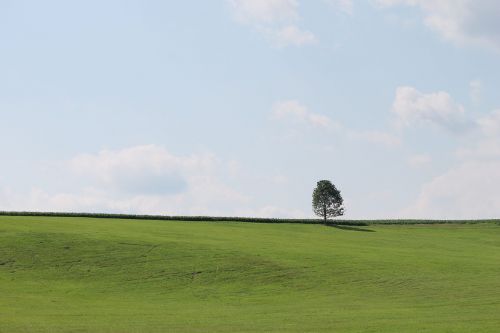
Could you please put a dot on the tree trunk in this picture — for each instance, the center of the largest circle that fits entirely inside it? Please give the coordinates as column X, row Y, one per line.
column 324, row 212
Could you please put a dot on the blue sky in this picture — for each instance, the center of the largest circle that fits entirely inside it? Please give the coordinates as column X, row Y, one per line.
column 238, row 107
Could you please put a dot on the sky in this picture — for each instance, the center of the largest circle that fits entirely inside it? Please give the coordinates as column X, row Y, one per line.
column 238, row 107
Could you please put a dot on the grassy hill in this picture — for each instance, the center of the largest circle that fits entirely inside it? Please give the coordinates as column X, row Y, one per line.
column 69, row 274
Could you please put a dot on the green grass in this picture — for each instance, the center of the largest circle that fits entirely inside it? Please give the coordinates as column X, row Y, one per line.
column 106, row 275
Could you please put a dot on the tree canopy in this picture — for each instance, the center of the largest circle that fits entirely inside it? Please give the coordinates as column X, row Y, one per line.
column 327, row 201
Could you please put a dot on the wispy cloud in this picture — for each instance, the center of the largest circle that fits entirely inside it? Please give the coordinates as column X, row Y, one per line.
column 475, row 87
column 460, row 21
column 277, row 20
column 419, row 161
column 468, row 189
column 375, row 137
column 291, row 35
column 346, row 6
column 294, row 111
column 264, row 11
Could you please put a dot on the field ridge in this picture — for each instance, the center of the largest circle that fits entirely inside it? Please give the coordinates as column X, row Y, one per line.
column 352, row 222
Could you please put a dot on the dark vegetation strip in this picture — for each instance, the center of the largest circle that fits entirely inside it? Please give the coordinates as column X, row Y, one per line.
column 186, row 218
column 246, row 219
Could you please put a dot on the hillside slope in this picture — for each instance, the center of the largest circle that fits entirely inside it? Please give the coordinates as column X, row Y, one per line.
column 105, row 275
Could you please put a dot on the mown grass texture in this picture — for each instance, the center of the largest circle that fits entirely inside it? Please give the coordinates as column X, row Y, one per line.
column 68, row 274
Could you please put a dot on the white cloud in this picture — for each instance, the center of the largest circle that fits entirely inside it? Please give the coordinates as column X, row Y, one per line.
column 94, row 201
column 460, row 21
column 270, row 211
column 475, row 87
column 141, row 179
column 275, row 19
column 294, row 111
column 485, row 148
column 264, row 11
column 146, row 180
column 141, row 169
column 278, row 179
column 413, row 107
column 376, row 137
column 292, row 35
column 487, row 145
column 419, row 161
column 470, row 190
column 490, row 124
column 344, row 5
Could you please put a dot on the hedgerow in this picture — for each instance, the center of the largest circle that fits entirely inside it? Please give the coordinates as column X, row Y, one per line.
column 185, row 218
column 246, row 219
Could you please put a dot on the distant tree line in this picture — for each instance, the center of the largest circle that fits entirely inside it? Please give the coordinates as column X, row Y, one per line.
column 245, row 219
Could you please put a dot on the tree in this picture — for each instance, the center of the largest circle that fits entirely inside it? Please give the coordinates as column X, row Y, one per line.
column 327, row 201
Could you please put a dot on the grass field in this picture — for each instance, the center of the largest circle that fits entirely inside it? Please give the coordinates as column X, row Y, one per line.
column 107, row 275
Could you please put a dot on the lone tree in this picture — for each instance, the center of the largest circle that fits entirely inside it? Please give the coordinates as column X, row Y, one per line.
column 327, row 201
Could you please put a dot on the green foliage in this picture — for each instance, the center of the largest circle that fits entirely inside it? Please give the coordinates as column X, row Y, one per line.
column 243, row 219
column 113, row 275
column 327, row 201
column 183, row 218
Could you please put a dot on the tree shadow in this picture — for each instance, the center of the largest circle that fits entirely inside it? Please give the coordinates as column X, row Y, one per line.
column 351, row 228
